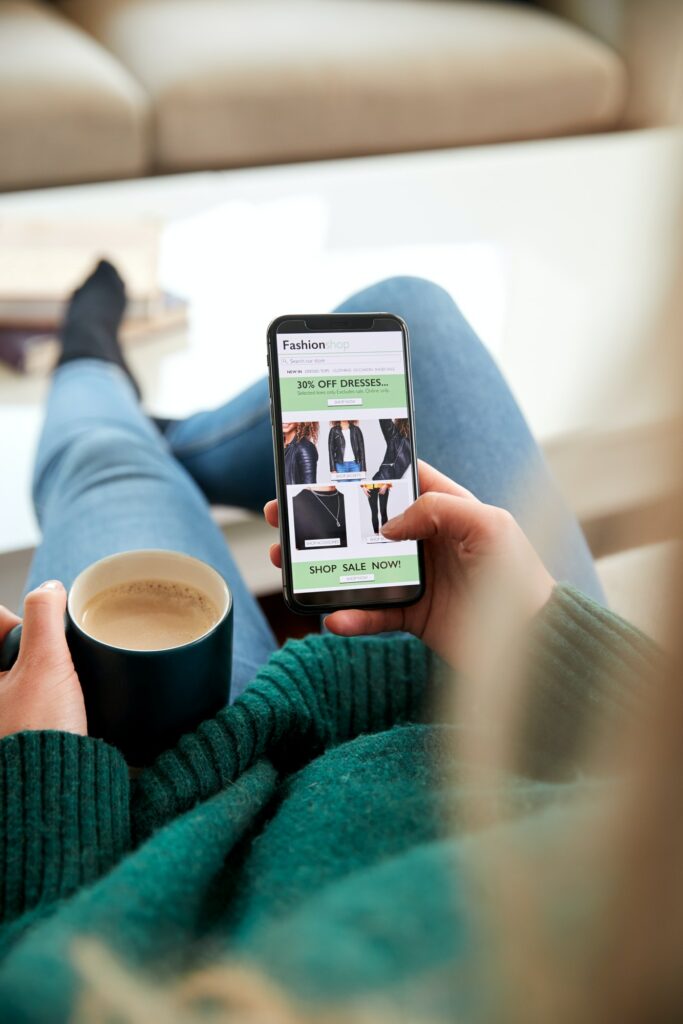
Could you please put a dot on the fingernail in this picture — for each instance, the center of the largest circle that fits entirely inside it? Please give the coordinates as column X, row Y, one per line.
column 50, row 585
column 393, row 524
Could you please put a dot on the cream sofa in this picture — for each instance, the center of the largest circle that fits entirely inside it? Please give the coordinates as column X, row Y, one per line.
column 100, row 89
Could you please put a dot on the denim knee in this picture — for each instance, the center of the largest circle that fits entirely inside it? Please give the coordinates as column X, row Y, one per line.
column 429, row 310
column 436, row 324
column 95, row 458
column 404, row 295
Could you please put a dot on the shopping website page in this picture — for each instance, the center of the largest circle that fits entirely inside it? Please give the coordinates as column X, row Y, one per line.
column 348, row 456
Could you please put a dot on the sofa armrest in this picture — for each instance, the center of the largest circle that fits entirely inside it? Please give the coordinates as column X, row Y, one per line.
column 622, row 484
column 648, row 34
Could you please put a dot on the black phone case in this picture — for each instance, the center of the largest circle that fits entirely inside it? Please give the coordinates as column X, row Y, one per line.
column 360, row 597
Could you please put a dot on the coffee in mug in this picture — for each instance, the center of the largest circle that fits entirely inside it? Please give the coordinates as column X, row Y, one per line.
column 149, row 614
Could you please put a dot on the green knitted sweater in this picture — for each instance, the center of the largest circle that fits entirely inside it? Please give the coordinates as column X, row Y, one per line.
column 305, row 830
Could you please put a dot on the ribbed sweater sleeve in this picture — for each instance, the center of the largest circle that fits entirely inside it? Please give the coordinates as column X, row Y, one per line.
column 311, row 695
column 588, row 671
column 64, row 817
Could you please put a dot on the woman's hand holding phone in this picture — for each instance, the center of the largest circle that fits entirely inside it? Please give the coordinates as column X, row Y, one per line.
column 462, row 537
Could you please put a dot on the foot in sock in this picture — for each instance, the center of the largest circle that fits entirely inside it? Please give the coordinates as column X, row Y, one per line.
column 162, row 423
column 92, row 321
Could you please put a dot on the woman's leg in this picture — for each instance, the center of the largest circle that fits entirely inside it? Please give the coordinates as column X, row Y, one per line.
column 469, row 426
column 105, row 481
column 229, row 451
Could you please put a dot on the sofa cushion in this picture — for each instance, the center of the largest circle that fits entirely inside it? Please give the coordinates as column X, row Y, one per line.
column 68, row 110
column 248, row 81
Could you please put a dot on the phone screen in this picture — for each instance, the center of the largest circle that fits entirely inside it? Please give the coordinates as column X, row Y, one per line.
column 347, row 451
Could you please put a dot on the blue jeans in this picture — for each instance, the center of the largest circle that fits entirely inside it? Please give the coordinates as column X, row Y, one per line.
column 107, row 480
column 347, row 467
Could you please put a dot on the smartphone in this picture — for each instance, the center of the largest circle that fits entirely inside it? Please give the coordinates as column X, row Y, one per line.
column 344, row 440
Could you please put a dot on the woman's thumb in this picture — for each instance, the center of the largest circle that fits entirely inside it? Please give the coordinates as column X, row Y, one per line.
column 43, row 636
column 434, row 513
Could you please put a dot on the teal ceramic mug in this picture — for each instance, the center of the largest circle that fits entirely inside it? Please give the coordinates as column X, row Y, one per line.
column 142, row 701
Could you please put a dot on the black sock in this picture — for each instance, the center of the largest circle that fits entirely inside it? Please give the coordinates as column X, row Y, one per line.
column 162, row 423
column 92, row 320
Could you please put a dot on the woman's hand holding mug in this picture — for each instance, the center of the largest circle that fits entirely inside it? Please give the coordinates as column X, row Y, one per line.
column 141, row 647
column 42, row 690
column 462, row 538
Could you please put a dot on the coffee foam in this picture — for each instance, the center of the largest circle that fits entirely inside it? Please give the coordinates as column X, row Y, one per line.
column 149, row 614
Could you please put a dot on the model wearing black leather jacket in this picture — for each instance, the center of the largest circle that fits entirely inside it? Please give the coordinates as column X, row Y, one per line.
column 398, row 455
column 336, row 446
column 301, row 462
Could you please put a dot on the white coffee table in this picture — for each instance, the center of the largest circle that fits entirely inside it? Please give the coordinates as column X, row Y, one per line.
column 541, row 243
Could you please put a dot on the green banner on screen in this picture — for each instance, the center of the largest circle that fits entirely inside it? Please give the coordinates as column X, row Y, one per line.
column 388, row 570
column 343, row 393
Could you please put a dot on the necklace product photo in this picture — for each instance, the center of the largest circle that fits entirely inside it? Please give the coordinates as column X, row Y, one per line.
column 319, row 519
column 335, row 515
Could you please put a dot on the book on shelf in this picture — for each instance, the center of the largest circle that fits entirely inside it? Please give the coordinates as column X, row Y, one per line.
column 34, row 350
column 43, row 260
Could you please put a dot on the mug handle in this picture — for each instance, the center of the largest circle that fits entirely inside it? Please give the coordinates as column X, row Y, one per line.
column 9, row 649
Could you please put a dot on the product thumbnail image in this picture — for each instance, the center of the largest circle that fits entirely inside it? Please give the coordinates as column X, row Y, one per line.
column 301, row 454
column 319, row 518
column 379, row 501
column 375, row 500
column 346, row 448
column 398, row 454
